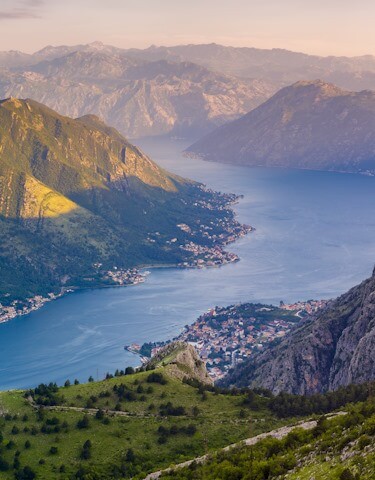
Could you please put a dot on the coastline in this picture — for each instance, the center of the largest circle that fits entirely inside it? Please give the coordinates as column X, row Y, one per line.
column 41, row 301
column 202, row 256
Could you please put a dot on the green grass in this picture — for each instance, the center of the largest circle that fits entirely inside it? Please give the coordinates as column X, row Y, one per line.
column 220, row 422
column 340, row 448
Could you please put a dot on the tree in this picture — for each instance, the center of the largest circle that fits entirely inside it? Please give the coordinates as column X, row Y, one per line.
column 67, row 383
column 84, row 422
column 130, row 456
column 26, row 473
column 86, row 450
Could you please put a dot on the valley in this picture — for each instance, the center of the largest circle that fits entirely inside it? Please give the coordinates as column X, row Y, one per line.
column 84, row 333
column 187, row 276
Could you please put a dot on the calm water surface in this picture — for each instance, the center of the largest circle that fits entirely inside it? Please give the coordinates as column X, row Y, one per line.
column 314, row 238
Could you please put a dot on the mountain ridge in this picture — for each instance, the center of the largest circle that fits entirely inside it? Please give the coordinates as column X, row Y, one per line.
column 328, row 350
column 310, row 124
column 138, row 97
column 77, row 201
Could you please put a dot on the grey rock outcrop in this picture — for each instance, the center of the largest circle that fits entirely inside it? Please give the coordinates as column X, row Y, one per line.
column 332, row 349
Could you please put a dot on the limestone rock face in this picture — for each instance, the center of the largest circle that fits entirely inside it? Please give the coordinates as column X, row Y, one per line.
column 332, row 349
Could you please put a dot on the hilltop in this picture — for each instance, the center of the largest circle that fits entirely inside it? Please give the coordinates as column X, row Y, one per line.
column 181, row 360
column 313, row 125
column 134, row 423
column 79, row 205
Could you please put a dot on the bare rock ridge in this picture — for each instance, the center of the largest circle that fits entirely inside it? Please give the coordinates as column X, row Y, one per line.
column 312, row 125
column 335, row 348
column 136, row 96
column 181, row 360
column 185, row 90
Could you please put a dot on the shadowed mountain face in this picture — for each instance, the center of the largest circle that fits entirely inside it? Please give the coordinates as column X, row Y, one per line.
column 332, row 349
column 311, row 125
column 138, row 97
column 74, row 193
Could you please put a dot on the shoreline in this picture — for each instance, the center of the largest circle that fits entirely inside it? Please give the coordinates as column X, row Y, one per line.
column 214, row 257
column 42, row 301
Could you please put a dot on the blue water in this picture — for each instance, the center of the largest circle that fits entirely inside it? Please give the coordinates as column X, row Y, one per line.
column 314, row 238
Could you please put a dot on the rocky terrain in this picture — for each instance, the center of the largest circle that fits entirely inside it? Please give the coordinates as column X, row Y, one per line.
column 332, row 349
column 181, row 361
column 136, row 96
column 313, row 125
column 185, row 90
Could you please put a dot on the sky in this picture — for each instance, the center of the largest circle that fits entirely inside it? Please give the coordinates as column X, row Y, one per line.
column 322, row 27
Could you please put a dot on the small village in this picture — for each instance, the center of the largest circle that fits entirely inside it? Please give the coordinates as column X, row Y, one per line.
column 124, row 277
column 18, row 307
column 226, row 336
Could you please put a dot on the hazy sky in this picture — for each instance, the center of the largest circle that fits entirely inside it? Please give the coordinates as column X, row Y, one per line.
column 340, row 27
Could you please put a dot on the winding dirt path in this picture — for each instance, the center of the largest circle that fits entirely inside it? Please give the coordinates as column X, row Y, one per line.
column 278, row 433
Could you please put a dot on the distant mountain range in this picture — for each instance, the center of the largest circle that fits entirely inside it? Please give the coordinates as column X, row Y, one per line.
column 185, row 90
column 77, row 199
column 334, row 348
column 136, row 96
column 313, row 125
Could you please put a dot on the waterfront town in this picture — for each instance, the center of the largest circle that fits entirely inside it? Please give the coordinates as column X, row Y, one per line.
column 225, row 336
column 116, row 276
column 18, row 307
column 201, row 246
column 202, row 243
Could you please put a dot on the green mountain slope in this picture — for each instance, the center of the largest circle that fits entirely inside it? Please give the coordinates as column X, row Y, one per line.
column 337, row 448
column 75, row 194
column 134, row 423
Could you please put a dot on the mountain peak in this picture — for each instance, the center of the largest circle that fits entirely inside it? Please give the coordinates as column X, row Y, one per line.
column 310, row 125
column 326, row 88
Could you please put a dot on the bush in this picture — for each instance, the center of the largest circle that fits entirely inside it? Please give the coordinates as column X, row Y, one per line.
column 346, row 475
column 83, row 423
column 156, row 377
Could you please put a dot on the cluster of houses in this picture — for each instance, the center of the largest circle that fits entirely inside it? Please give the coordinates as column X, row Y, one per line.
column 227, row 336
column 17, row 308
column 130, row 276
column 203, row 241
column 207, row 256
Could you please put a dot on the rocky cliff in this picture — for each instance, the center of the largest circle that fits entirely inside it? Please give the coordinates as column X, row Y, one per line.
column 332, row 349
column 313, row 125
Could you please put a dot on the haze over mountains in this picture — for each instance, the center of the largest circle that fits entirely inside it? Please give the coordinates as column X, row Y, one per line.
column 186, row 90
column 138, row 97
column 280, row 66
column 313, row 125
